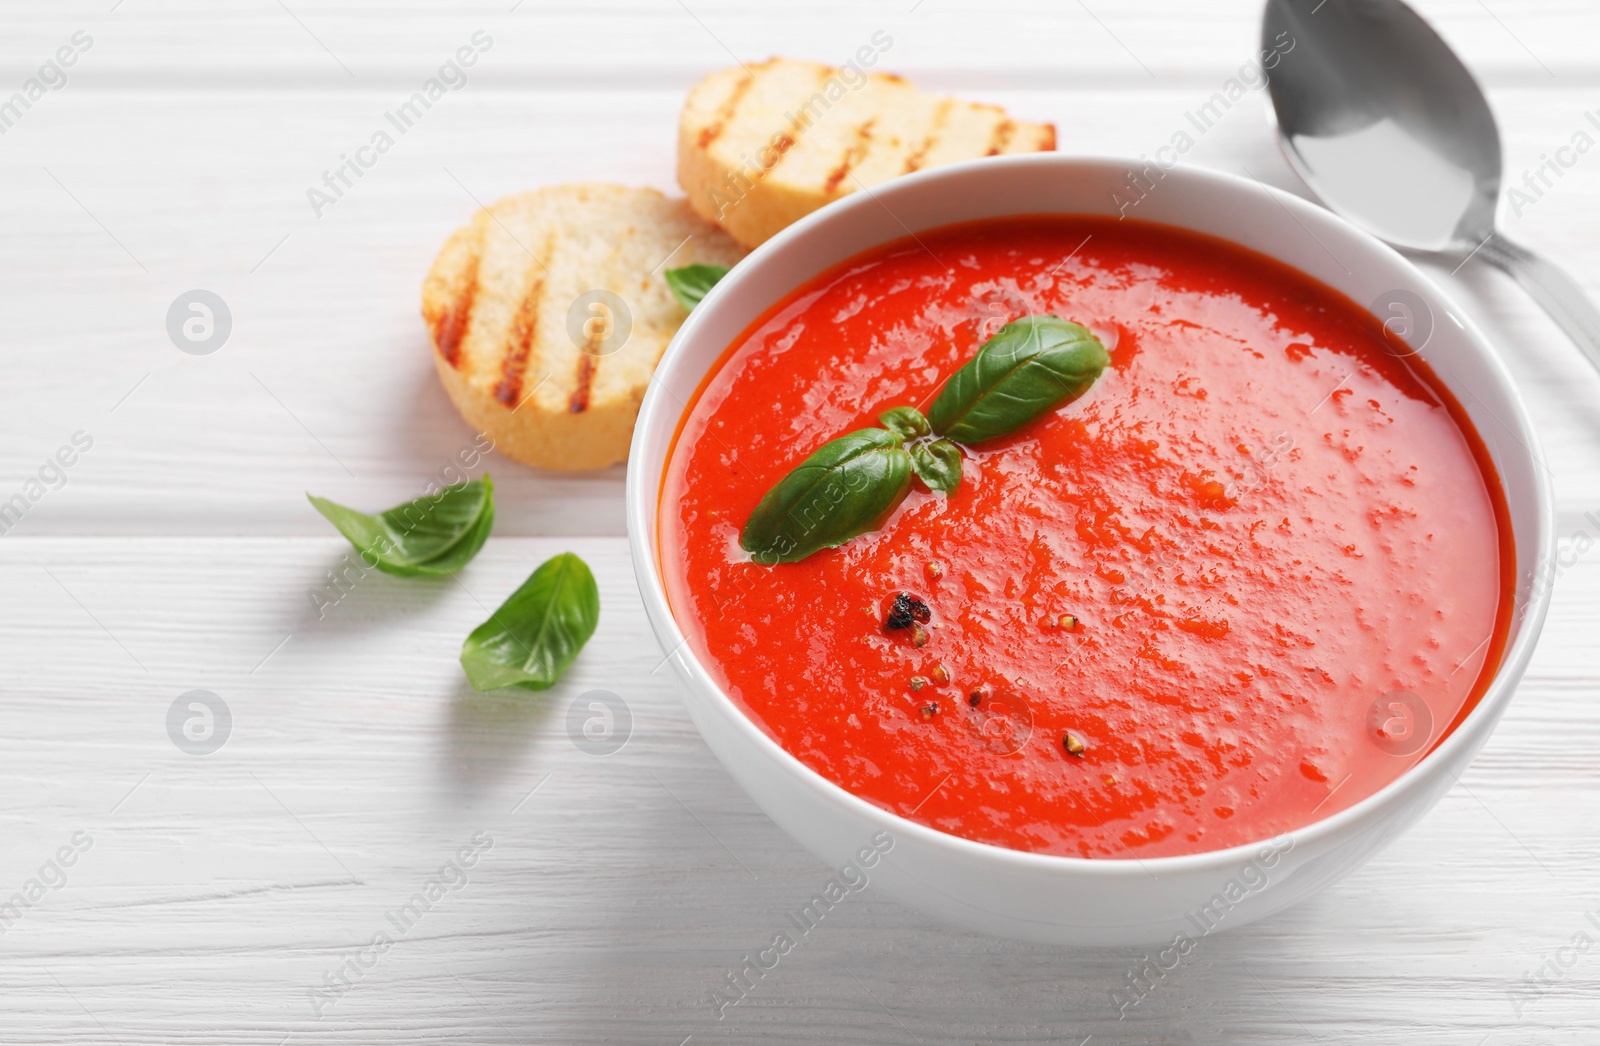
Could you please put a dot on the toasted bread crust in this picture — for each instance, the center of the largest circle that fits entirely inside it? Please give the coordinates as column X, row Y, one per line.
column 760, row 147
column 549, row 312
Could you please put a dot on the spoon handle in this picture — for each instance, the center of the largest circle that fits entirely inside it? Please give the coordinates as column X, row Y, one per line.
column 1550, row 286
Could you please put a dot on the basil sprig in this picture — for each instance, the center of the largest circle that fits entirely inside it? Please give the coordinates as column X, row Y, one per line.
column 693, row 282
column 843, row 489
column 851, row 484
column 1030, row 366
column 434, row 534
column 536, row 634
column 937, row 462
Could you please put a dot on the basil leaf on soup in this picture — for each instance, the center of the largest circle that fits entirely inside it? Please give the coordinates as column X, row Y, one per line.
column 938, row 464
column 845, row 488
column 906, row 422
column 536, row 634
column 1030, row 366
column 434, row 534
column 693, row 282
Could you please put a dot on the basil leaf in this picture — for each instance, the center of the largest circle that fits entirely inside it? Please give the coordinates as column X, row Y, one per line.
column 535, row 635
column 1030, row 366
column 692, row 282
column 462, row 552
column 845, row 488
column 906, row 422
column 435, row 534
column 938, row 464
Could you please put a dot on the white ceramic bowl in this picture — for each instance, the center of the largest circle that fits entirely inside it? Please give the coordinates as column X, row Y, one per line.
column 1060, row 899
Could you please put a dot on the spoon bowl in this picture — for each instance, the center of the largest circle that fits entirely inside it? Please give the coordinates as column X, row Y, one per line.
column 1386, row 125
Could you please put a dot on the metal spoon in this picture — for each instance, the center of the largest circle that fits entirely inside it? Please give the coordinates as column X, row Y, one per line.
column 1386, row 125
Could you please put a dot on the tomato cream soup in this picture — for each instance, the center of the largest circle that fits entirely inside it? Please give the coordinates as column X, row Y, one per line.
column 1251, row 576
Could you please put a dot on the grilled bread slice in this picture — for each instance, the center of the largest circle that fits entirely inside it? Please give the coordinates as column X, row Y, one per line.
column 549, row 312
column 762, row 146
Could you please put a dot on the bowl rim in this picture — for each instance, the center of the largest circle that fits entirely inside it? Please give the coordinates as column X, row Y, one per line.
column 644, row 492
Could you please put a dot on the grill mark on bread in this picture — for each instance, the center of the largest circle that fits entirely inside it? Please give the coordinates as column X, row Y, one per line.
column 588, row 363
column 940, row 114
column 1047, row 142
column 519, row 339
column 726, row 111
column 604, row 236
column 852, row 156
column 750, row 186
column 594, row 338
column 451, row 324
column 781, row 144
column 1002, row 136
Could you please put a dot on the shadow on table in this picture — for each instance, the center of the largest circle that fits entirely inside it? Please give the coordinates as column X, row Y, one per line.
column 712, row 885
column 348, row 595
column 491, row 734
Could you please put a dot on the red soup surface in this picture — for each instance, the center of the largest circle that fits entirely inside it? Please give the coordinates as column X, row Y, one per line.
column 1284, row 547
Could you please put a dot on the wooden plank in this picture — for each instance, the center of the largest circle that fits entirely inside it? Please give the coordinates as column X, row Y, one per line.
column 1009, row 43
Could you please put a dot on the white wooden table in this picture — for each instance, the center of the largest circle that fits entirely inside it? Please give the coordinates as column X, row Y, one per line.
column 211, row 895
